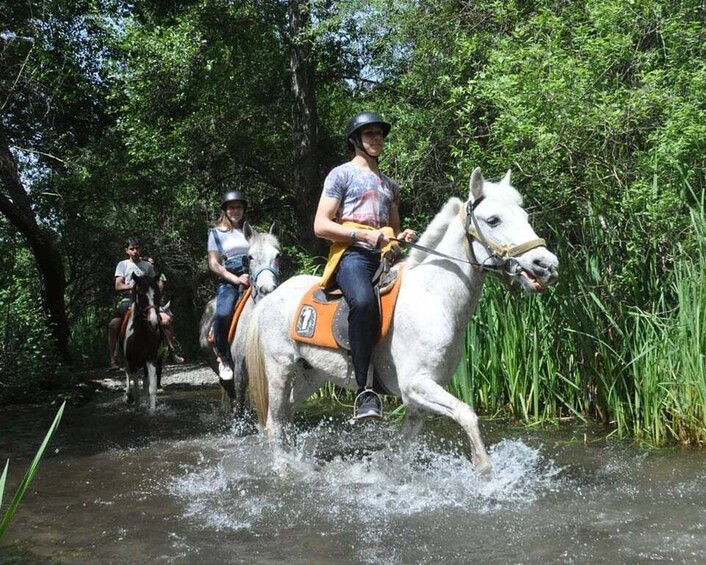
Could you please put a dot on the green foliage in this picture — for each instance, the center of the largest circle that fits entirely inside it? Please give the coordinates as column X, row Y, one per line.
column 137, row 116
column 29, row 475
column 28, row 359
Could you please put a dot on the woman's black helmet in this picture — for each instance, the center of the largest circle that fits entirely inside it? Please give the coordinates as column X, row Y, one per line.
column 364, row 119
column 232, row 195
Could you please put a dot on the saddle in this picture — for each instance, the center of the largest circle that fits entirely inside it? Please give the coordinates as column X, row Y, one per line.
column 123, row 324
column 322, row 317
column 237, row 311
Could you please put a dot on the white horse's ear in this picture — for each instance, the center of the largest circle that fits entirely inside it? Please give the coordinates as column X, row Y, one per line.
column 167, row 305
column 272, row 228
column 248, row 232
column 475, row 186
column 506, row 178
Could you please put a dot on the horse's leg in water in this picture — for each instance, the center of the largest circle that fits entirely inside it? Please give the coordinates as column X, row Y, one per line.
column 152, row 384
column 412, row 423
column 159, row 365
column 287, row 387
column 240, row 384
column 228, row 386
column 279, row 413
column 423, row 393
column 132, row 387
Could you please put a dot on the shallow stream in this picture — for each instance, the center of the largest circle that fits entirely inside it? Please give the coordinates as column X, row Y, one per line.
column 187, row 486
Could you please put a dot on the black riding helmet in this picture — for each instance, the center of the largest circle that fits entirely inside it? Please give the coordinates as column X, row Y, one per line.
column 232, row 195
column 363, row 119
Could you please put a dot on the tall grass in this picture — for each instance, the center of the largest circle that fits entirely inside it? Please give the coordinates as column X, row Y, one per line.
column 599, row 346
column 512, row 366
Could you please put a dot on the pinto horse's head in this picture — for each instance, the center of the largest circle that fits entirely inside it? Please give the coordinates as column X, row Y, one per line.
column 502, row 239
column 145, row 297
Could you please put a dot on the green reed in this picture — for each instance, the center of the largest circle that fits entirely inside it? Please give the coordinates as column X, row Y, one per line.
column 628, row 351
column 29, row 474
column 511, row 364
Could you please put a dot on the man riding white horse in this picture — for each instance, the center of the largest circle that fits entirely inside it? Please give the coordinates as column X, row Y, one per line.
column 357, row 202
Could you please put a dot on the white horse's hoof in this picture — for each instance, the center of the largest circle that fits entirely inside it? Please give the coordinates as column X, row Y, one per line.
column 484, row 471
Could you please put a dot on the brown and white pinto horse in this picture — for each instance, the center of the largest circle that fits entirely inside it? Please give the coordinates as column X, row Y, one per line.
column 141, row 342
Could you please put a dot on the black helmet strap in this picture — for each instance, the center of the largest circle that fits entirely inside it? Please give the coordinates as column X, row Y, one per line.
column 354, row 138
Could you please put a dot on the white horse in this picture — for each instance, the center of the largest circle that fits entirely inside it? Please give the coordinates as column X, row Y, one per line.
column 441, row 285
column 263, row 266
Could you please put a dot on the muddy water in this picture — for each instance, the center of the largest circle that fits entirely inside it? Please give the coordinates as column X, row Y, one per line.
column 187, row 486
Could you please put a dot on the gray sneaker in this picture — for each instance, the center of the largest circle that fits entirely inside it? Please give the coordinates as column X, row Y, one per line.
column 367, row 405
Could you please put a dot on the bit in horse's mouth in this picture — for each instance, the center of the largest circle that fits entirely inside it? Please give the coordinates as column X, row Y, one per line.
column 532, row 280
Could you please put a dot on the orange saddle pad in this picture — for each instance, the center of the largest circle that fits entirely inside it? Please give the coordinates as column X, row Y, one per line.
column 322, row 321
column 238, row 311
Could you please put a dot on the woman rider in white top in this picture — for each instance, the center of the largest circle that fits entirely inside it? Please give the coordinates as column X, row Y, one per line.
column 227, row 257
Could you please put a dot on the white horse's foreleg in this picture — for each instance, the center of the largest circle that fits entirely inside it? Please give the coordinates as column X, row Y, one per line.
column 152, row 385
column 412, row 423
column 424, row 393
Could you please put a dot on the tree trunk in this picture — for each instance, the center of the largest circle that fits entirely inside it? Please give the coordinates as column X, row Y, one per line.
column 306, row 183
column 15, row 206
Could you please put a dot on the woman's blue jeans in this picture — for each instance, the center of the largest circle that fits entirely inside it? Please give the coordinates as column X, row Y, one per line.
column 354, row 276
column 226, row 298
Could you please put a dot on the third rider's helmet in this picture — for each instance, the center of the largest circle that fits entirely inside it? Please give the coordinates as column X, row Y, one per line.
column 232, row 195
column 364, row 119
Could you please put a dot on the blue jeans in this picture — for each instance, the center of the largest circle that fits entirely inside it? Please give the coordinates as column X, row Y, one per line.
column 354, row 276
column 226, row 297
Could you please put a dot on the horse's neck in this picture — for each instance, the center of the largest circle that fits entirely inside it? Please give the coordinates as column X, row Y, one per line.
column 139, row 323
column 456, row 285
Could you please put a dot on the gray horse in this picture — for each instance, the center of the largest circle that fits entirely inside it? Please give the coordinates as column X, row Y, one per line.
column 263, row 259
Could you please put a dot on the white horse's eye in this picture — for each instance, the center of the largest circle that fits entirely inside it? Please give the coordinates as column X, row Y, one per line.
column 493, row 221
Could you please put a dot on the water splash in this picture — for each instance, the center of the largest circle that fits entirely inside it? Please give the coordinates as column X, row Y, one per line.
column 352, row 476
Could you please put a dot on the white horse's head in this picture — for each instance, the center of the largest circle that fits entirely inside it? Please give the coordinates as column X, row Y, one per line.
column 263, row 259
column 502, row 237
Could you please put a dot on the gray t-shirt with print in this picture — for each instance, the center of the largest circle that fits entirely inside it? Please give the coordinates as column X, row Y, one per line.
column 366, row 196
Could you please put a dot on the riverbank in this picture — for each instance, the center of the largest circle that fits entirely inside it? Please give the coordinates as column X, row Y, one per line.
column 173, row 376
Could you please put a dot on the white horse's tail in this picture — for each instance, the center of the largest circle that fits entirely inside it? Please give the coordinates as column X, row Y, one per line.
column 256, row 368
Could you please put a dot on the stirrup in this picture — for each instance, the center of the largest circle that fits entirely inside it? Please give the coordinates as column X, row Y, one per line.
column 356, row 417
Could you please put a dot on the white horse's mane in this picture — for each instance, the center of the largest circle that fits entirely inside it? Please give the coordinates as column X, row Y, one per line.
column 436, row 230
column 502, row 192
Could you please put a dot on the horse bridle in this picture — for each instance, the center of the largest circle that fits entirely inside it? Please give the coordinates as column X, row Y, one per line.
column 503, row 255
column 143, row 309
column 254, row 276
